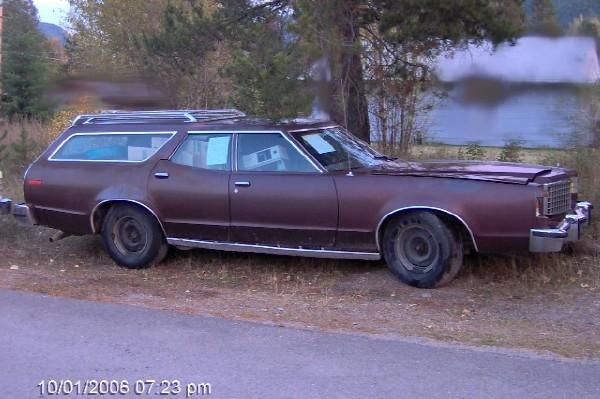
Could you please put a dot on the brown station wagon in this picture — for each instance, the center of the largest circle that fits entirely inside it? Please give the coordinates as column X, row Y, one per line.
column 217, row 179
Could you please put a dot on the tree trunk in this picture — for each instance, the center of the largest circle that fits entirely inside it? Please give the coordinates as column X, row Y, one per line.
column 357, row 108
column 353, row 112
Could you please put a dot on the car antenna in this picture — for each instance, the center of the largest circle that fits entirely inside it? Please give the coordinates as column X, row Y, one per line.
column 350, row 174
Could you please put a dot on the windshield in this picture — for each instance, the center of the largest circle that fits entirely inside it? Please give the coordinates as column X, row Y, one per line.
column 335, row 149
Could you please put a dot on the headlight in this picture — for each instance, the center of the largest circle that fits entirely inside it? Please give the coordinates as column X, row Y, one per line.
column 574, row 185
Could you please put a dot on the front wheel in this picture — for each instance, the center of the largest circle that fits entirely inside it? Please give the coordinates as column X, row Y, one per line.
column 132, row 237
column 421, row 250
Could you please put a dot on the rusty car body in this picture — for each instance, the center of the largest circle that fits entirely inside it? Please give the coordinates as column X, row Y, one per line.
column 217, row 179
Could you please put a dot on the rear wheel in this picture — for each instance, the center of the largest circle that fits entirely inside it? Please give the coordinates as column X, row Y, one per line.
column 422, row 250
column 132, row 237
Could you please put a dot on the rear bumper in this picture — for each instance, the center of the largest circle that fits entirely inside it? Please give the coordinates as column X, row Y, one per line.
column 24, row 214
column 5, row 206
column 21, row 212
column 569, row 230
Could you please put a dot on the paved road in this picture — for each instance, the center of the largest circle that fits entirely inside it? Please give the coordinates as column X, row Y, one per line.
column 54, row 338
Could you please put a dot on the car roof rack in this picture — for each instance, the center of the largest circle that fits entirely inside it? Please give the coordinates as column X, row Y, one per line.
column 186, row 115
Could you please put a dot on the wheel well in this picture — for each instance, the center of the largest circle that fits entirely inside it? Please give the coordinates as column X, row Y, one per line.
column 450, row 219
column 101, row 210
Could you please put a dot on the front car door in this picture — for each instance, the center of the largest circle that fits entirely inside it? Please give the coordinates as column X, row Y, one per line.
column 190, row 191
column 279, row 197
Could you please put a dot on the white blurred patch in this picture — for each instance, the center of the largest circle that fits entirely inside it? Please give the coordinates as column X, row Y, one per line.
column 531, row 60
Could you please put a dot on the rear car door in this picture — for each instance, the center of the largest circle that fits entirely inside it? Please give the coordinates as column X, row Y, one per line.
column 191, row 189
column 278, row 195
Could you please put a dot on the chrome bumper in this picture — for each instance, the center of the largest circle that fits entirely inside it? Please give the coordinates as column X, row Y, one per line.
column 23, row 214
column 569, row 230
column 5, row 206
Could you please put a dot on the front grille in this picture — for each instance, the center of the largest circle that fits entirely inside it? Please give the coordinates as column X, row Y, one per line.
column 558, row 198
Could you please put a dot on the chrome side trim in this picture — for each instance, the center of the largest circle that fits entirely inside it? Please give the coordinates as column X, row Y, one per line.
column 60, row 210
column 377, row 231
column 51, row 157
column 124, row 200
column 265, row 249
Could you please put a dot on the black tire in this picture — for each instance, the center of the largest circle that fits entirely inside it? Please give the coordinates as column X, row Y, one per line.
column 421, row 250
column 132, row 237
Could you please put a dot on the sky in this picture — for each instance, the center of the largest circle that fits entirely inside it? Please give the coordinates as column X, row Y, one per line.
column 53, row 11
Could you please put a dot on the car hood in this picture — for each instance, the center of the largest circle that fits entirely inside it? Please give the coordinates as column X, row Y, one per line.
column 474, row 170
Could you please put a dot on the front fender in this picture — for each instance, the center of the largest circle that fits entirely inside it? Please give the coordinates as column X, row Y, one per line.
column 490, row 211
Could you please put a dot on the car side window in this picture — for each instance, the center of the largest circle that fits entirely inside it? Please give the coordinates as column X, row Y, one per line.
column 111, row 147
column 205, row 151
column 269, row 152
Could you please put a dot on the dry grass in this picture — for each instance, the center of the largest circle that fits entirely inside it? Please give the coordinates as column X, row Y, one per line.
column 442, row 151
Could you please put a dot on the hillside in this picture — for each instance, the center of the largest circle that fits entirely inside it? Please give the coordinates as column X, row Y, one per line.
column 53, row 31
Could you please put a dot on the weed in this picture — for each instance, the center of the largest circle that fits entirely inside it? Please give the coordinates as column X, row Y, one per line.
column 473, row 152
column 512, row 151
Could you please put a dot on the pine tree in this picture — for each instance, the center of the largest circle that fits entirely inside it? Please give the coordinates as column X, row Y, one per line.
column 26, row 69
column 267, row 69
column 543, row 19
column 23, row 148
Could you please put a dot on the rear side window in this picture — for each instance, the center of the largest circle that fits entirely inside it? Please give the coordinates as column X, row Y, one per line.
column 111, row 147
column 205, row 151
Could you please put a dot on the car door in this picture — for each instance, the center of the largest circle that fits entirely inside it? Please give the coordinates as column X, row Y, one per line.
column 278, row 196
column 190, row 191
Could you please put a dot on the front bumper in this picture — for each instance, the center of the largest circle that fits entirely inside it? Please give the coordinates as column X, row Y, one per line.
column 569, row 230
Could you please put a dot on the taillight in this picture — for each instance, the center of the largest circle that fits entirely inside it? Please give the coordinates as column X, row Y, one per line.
column 34, row 182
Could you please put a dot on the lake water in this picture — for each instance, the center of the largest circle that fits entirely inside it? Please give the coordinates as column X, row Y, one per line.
column 539, row 117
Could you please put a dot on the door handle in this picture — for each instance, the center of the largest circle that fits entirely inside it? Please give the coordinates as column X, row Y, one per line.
column 242, row 184
column 161, row 175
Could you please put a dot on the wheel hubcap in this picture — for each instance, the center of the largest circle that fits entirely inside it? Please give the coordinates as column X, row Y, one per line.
column 129, row 236
column 416, row 249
